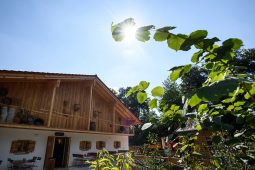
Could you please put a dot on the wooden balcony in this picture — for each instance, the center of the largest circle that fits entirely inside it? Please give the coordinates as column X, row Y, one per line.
column 38, row 119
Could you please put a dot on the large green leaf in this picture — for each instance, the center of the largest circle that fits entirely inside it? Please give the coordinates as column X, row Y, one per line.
column 202, row 107
column 217, row 90
column 179, row 71
column 153, row 103
column 143, row 33
column 157, row 91
column 195, row 100
column 175, row 41
column 234, row 43
column 141, row 97
column 198, row 35
column 118, row 29
column 162, row 34
column 143, row 85
column 195, row 57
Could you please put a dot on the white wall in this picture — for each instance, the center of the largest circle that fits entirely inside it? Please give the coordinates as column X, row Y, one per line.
column 7, row 135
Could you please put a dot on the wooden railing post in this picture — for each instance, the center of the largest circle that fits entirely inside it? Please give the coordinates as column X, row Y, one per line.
column 90, row 103
column 113, row 118
column 56, row 85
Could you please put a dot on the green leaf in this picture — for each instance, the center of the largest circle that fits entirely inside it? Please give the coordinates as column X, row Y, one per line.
column 233, row 43
column 196, row 153
column 202, row 107
column 162, row 34
column 158, row 91
column 141, row 97
column 214, row 113
column 133, row 90
column 198, row 127
column 143, row 85
column 179, row 71
column 195, row 100
column 153, row 103
column 230, row 107
column 183, row 148
column 247, row 96
column 175, row 41
column 195, row 57
column 216, row 163
column 118, row 29
column 217, row 90
column 239, row 103
column 143, row 33
column 198, row 35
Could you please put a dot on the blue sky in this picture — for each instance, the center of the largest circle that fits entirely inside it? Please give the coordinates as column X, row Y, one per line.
column 73, row 36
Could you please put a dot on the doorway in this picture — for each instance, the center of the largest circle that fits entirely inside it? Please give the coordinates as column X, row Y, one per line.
column 57, row 152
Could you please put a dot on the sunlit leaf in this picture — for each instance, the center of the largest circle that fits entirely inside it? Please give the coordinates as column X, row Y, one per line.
column 143, row 33
column 157, row 91
column 195, row 100
column 162, row 34
column 179, row 71
column 143, row 85
column 118, row 29
column 175, row 41
column 198, row 127
column 153, row 103
column 195, row 57
column 141, row 97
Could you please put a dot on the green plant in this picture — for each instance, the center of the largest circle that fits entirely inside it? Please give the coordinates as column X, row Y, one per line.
column 225, row 104
column 106, row 161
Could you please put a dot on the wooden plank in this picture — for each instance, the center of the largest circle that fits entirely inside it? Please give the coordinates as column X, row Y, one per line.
column 113, row 118
column 52, row 101
column 90, row 104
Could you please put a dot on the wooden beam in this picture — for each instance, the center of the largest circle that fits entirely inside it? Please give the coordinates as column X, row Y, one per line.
column 56, row 85
column 33, row 127
column 113, row 118
column 90, row 103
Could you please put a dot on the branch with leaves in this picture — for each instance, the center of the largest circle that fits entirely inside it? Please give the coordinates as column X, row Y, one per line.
column 224, row 104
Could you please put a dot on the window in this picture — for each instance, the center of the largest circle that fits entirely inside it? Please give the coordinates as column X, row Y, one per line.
column 100, row 145
column 85, row 145
column 22, row 146
column 117, row 144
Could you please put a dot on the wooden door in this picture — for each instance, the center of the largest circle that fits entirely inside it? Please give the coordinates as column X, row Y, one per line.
column 66, row 152
column 49, row 153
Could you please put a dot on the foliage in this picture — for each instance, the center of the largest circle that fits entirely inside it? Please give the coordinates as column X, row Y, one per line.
column 193, row 80
column 225, row 100
column 106, row 161
column 173, row 94
column 131, row 102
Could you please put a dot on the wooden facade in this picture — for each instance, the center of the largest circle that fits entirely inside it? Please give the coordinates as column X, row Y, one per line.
column 63, row 102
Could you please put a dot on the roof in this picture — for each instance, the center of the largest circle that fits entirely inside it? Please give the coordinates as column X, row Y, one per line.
column 63, row 76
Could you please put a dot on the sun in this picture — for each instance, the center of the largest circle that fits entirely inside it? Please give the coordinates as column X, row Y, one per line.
column 129, row 32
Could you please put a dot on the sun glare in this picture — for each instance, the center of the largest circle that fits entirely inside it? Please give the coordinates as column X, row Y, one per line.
column 129, row 32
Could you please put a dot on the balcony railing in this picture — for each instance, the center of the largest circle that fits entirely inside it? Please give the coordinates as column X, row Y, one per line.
column 39, row 118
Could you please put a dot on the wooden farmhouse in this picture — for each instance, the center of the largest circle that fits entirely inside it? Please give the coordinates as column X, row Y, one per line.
column 57, row 117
